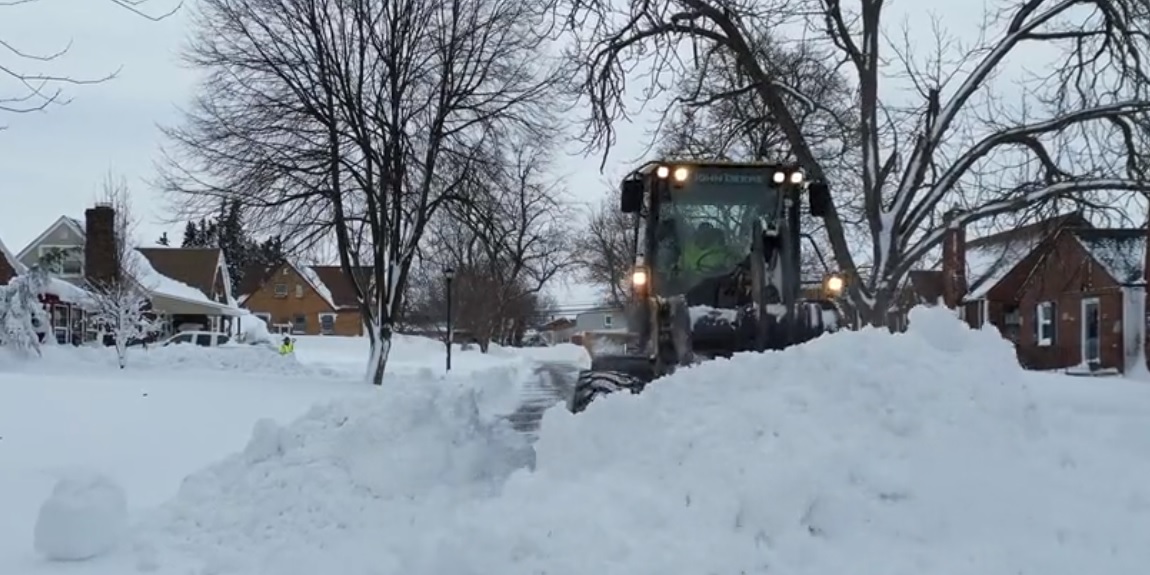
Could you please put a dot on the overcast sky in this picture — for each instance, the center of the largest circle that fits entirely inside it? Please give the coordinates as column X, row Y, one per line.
column 52, row 162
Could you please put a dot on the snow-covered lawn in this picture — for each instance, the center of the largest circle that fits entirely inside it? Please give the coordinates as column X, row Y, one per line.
column 171, row 412
column 929, row 452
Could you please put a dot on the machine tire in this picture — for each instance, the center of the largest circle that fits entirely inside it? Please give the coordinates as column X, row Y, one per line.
column 593, row 384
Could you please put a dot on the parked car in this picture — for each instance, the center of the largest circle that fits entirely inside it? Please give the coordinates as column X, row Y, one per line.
column 200, row 338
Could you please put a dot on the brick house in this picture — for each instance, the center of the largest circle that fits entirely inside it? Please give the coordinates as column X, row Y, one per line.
column 1068, row 295
column 304, row 300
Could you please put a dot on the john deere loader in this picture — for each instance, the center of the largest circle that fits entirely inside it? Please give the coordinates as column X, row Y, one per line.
column 717, row 270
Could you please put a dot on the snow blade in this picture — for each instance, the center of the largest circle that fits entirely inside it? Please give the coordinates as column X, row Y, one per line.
column 592, row 384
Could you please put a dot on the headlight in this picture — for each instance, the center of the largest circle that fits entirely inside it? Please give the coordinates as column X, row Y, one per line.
column 639, row 278
column 780, row 177
column 662, row 172
column 681, row 174
column 796, row 177
column 835, row 284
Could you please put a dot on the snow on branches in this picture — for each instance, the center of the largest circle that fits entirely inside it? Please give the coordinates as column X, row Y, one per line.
column 23, row 320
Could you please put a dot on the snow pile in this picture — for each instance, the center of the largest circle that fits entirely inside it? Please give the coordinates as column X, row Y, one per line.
column 859, row 452
column 251, row 329
column 85, row 517
column 326, row 486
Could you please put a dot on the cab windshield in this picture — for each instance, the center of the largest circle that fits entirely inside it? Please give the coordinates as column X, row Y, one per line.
column 705, row 230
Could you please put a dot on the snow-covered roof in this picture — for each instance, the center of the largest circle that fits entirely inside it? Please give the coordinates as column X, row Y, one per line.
column 67, row 291
column 11, row 258
column 1121, row 252
column 158, row 284
column 312, row 278
column 988, row 264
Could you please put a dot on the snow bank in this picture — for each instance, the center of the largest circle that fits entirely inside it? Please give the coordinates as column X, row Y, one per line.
column 85, row 517
column 335, row 480
column 237, row 358
column 859, row 452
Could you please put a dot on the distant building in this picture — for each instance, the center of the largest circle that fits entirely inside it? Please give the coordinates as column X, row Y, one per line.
column 557, row 331
column 605, row 319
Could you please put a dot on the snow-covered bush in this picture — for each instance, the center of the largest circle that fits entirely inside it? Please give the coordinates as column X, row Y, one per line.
column 22, row 316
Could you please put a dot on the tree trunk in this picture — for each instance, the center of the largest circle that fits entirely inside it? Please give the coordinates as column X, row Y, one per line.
column 121, row 351
column 879, row 312
column 380, row 350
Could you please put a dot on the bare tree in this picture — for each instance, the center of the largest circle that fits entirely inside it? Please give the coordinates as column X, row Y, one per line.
column 355, row 121
column 605, row 249
column 39, row 90
column 120, row 304
column 508, row 243
column 1074, row 135
column 716, row 116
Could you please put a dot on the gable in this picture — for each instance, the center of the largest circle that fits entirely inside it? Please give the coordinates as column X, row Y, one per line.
column 64, row 232
column 1062, row 266
column 994, row 262
column 289, row 276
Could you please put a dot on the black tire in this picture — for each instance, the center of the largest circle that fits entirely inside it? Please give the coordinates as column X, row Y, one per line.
column 593, row 384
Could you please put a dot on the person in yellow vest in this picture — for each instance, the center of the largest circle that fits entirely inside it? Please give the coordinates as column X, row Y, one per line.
column 707, row 252
column 288, row 346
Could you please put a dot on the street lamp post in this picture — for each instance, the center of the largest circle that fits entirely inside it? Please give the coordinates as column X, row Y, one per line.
column 449, row 273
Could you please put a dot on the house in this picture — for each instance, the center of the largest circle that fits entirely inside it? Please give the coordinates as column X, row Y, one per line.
column 66, row 304
column 557, row 331
column 187, row 288
column 1067, row 294
column 604, row 319
column 305, row 300
column 65, row 235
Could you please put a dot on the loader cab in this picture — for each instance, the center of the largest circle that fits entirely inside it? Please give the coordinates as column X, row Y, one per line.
column 698, row 221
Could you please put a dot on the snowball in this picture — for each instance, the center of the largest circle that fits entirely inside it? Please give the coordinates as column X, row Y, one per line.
column 83, row 518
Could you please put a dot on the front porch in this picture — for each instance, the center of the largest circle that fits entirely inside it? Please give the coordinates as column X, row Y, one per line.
column 176, row 314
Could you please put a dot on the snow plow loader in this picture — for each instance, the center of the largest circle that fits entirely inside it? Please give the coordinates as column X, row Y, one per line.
column 717, row 271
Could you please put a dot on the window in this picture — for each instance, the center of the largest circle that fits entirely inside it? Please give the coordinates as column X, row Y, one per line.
column 299, row 291
column 1045, row 316
column 327, row 323
column 222, row 339
column 299, row 324
column 204, row 339
column 608, row 321
column 281, row 290
column 63, row 260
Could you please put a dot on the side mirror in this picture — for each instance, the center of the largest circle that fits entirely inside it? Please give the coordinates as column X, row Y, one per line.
column 819, row 196
column 632, row 196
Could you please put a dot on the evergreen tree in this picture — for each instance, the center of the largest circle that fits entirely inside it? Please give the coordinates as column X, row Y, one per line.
column 191, row 235
column 241, row 251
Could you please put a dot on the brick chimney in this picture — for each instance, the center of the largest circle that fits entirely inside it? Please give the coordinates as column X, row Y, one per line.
column 100, row 265
column 954, row 285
